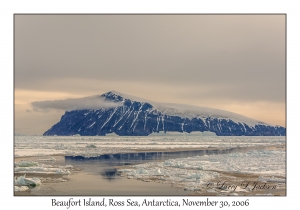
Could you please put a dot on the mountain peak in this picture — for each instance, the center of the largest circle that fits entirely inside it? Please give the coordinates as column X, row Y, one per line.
column 118, row 96
column 113, row 96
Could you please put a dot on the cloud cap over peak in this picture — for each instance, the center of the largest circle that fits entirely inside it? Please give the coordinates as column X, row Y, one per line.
column 91, row 102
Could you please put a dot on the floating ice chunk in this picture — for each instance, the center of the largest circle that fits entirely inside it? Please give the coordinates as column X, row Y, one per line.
column 195, row 176
column 44, row 170
column 168, row 162
column 23, row 181
column 211, row 191
column 272, row 179
column 66, row 167
column 141, row 171
column 21, row 188
column 199, row 167
column 30, row 169
column 91, row 146
column 60, row 171
column 124, row 170
column 158, row 171
column 189, row 188
column 26, row 163
column 179, row 165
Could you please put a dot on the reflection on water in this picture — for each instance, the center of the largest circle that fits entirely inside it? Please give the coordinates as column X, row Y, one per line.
column 132, row 158
column 109, row 173
column 104, row 165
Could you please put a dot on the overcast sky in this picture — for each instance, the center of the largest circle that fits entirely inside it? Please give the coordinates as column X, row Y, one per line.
column 230, row 62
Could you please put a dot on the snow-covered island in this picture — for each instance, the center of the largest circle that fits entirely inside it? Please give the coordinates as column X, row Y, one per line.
column 132, row 116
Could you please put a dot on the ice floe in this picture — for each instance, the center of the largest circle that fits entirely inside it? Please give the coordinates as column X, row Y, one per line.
column 23, row 181
column 27, row 166
column 91, row 146
column 26, row 163
column 271, row 179
column 20, row 188
column 41, row 169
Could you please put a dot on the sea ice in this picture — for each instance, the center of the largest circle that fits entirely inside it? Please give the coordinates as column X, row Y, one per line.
column 35, row 167
column 23, row 181
column 26, row 163
column 88, row 146
column 21, row 188
column 193, row 172
column 91, row 146
column 272, row 179
column 41, row 169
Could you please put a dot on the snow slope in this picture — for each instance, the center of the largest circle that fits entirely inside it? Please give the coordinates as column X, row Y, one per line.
column 190, row 111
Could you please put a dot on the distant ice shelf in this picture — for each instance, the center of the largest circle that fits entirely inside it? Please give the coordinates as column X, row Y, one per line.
column 91, row 146
column 183, row 134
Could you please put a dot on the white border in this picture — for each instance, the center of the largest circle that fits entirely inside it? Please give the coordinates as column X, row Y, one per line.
column 8, row 8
